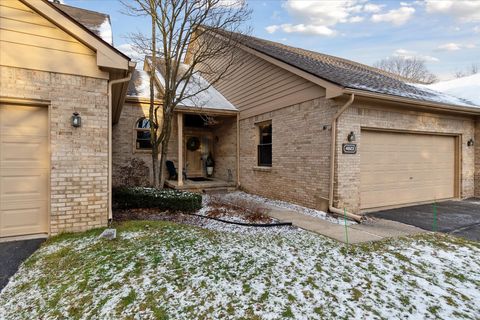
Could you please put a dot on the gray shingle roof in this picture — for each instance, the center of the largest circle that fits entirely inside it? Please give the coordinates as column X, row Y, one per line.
column 139, row 85
column 96, row 22
column 348, row 74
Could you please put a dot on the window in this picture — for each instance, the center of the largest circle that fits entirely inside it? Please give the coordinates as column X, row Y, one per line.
column 264, row 153
column 142, row 132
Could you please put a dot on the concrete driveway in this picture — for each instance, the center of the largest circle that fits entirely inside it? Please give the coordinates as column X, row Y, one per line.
column 12, row 254
column 461, row 218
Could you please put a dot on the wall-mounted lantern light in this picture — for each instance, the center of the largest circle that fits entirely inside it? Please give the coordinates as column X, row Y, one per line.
column 76, row 120
column 470, row 142
column 351, row 137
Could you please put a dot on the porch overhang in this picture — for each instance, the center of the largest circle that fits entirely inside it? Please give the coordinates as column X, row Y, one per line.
column 209, row 111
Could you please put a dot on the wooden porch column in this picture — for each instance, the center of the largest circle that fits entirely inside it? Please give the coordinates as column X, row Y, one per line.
column 180, row 148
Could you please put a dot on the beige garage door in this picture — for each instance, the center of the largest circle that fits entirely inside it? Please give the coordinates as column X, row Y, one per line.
column 401, row 168
column 24, row 170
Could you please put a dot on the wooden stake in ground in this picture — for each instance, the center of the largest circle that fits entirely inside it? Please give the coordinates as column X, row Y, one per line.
column 346, row 227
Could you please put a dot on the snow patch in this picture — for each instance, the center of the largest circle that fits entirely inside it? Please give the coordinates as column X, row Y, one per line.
column 105, row 31
column 199, row 93
column 266, row 275
column 466, row 87
column 141, row 85
column 442, row 97
column 286, row 205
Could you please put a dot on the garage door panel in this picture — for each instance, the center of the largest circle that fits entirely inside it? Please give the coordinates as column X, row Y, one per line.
column 23, row 184
column 401, row 168
column 22, row 218
column 23, row 121
column 24, row 170
column 20, row 151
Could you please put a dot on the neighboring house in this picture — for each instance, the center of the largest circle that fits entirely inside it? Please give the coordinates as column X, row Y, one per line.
column 394, row 143
column 55, row 177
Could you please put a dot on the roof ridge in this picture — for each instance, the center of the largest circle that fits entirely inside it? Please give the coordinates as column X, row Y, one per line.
column 78, row 8
column 344, row 60
column 346, row 73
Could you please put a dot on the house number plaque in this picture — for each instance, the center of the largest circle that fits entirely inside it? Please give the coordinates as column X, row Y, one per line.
column 349, row 148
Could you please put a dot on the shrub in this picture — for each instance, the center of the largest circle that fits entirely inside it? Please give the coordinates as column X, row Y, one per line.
column 164, row 199
column 133, row 174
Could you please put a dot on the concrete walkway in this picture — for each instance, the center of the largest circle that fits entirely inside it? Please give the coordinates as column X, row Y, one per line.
column 373, row 230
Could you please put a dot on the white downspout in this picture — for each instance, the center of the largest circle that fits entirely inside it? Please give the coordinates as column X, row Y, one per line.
column 238, row 150
column 110, row 85
column 331, row 208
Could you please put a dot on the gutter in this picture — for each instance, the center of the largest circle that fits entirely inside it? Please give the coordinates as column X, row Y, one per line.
column 331, row 208
column 425, row 104
column 110, row 85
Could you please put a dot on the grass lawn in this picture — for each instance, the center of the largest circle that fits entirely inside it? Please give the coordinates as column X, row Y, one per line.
column 160, row 270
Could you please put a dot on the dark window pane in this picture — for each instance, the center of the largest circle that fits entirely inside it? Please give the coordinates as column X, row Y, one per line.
column 143, row 136
column 143, row 123
column 143, row 140
column 264, row 151
column 266, row 134
column 265, row 155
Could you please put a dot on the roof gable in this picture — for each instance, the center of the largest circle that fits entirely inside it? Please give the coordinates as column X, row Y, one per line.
column 96, row 22
column 107, row 56
column 346, row 74
column 199, row 93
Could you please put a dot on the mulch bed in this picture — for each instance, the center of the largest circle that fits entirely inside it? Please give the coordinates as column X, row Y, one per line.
column 155, row 214
column 177, row 217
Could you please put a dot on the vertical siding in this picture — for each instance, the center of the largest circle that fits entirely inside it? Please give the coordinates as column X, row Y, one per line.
column 28, row 40
column 256, row 86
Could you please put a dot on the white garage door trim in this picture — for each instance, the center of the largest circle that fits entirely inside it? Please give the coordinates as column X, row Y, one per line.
column 369, row 192
column 45, row 105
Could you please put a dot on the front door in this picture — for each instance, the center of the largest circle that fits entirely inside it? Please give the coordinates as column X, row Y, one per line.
column 197, row 146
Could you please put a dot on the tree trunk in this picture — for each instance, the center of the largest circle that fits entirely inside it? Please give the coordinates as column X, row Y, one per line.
column 167, row 127
column 151, row 118
column 156, row 167
column 163, row 158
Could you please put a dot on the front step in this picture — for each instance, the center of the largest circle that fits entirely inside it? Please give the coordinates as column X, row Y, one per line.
column 219, row 190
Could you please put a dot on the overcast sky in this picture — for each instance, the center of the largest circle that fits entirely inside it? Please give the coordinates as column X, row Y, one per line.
column 444, row 33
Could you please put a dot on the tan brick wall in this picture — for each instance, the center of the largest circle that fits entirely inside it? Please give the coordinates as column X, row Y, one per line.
column 79, row 156
column 123, row 143
column 225, row 149
column 362, row 114
column 301, row 150
column 477, row 158
column 301, row 154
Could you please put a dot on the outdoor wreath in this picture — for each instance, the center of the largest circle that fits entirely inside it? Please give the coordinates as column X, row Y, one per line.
column 193, row 144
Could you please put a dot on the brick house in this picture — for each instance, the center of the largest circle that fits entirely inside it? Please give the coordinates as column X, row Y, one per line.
column 346, row 135
column 289, row 124
column 55, row 176
column 394, row 143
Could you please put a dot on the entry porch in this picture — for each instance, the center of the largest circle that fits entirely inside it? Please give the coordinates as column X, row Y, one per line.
column 208, row 153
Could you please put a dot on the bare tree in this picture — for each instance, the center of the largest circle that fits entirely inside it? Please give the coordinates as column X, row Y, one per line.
column 470, row 70
column 148, row 45
column 411, row 68
column 189, row 33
